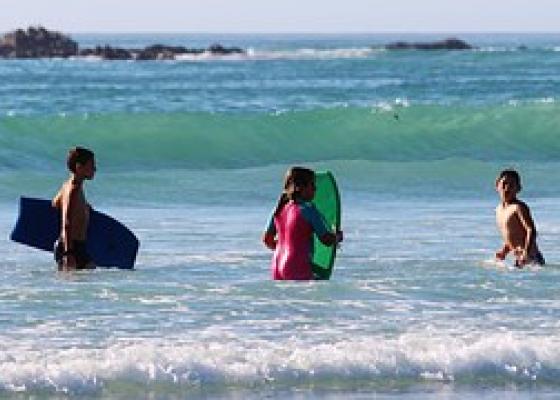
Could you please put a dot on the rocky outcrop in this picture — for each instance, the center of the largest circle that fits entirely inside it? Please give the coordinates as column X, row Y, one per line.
column 218, row 49
column 7, row 51
column 41, row 43
column 36, row 43
column 107, row 53
column 447, row 44
column 162, row 52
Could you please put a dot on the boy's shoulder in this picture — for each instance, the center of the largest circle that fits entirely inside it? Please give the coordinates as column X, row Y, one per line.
column 521, row 204
column 71, row 188
column 514, row 206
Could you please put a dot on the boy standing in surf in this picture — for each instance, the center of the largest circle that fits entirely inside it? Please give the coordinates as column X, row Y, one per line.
column 292, row 225
column 70, row 249
column 515, row 223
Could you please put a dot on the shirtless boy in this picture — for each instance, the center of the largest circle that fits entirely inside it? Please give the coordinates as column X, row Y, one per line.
column 515, row 223
column 70, row 249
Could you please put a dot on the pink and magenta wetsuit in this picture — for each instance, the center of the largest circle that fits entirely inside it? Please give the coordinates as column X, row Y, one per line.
column 294, row 226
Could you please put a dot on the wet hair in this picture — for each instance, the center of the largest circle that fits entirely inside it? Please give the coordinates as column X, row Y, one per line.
column 295, row 180
column 511, row 174
column 78, row 155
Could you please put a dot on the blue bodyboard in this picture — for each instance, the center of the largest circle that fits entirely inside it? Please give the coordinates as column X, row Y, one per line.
column 109, row 243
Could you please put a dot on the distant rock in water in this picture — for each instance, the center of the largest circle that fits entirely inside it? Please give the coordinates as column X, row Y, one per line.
column 161, row 52
column 41, row 43
column 221, row 50
column 36, row 43
column 107, row 53
column 447, row 44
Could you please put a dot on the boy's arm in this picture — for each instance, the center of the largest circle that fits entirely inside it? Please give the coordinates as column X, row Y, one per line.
column 56, row 201
column 524, row 215
column 506, row 248
column 503, row 252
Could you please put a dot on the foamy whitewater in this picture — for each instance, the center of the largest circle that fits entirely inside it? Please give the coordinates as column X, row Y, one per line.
column 191, row 155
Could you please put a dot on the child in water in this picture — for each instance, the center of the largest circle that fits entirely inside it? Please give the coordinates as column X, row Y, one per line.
column 291, row 227
column 70, row 249
column 514, row 221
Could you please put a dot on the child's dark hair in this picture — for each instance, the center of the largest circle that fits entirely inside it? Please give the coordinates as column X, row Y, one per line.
column 511, row 174
column 78, row 155
column 295, row 180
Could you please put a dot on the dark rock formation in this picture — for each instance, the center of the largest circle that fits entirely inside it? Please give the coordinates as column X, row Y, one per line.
column 162, row 52
column 221, row 50
column 7, row 51
column 107, row 53
column 447, row 44
column 37, row 42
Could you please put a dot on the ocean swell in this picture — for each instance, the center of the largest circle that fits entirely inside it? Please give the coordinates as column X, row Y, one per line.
column 519, row 132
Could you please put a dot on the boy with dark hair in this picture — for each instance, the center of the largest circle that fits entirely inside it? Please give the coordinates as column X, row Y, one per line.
column 70, row 249
column 515, row 223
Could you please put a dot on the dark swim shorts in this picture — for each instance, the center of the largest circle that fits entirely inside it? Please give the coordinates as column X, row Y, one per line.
column 535, row 259
column 79, row 251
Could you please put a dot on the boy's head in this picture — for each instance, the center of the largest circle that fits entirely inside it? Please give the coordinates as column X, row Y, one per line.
column 508, row 184
column 81, row 161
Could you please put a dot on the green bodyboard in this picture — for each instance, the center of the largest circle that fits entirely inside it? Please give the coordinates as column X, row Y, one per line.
column 327, row 201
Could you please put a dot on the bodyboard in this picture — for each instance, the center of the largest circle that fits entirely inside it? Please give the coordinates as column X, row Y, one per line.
column 327, row 201
column 109, row 243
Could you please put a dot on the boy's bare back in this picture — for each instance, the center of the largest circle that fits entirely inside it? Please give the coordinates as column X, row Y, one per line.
column 71, row 201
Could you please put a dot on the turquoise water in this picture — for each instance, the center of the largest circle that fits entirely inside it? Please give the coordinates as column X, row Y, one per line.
column 191, row 155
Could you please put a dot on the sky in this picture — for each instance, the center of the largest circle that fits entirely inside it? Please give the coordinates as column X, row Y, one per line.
column 283, row 16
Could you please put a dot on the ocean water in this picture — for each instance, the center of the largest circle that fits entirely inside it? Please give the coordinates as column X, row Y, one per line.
column 191, row 155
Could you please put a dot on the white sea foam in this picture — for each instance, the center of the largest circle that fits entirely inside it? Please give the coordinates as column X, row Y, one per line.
column 541, row 100
column 231, row 360
column 385, row 106
column 296, row 54
column 309, row 53
column 209, row 56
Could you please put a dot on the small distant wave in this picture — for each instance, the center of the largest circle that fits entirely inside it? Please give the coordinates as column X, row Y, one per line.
column 297, row 54
column 542, row 100
column 515, row 48
column 314, row 54
column 499, row 49
column 259, row 54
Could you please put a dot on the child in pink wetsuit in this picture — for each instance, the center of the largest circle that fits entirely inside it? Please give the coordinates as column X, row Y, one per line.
column 292, row 225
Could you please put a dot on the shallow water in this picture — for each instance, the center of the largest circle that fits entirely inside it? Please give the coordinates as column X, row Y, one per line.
column 413, row 306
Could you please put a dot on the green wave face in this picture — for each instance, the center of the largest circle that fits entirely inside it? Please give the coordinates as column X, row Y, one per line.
column 207, row 141
column 409, row 151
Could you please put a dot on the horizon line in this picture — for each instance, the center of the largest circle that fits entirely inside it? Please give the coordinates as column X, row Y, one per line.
column 302, row 32
column 395, row 32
